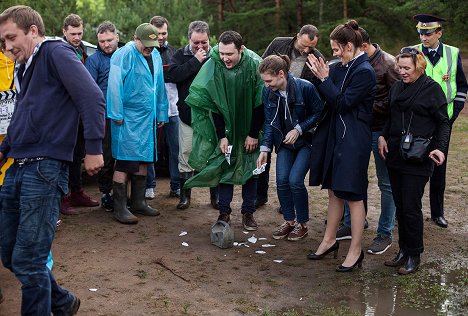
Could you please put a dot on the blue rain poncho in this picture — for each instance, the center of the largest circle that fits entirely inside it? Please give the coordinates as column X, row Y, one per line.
column 138, row 99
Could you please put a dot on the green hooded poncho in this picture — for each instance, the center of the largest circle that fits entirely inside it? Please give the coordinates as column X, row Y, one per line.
column 232, row 93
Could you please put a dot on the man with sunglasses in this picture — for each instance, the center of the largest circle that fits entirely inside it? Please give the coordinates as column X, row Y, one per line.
column 184, row 66
column 445, row 67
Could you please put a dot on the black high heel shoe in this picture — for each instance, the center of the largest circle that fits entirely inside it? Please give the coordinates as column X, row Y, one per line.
column 342, row 268
column 334, row 249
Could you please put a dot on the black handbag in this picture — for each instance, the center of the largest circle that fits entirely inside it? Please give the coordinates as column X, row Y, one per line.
column 414, row 149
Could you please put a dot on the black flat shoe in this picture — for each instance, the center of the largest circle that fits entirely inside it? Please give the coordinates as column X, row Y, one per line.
column 334, row 249
column 411, row 265
column 342, row 268
column 440, row 221
column 399, row 260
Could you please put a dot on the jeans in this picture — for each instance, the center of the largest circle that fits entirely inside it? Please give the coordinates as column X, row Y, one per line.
column 29, row 208
column 387, row 206
column 249, row 192
column 291, row 169
column 171, row 136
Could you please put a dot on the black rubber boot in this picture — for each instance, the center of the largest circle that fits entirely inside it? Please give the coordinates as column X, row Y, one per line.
column 139, row 204
column 121, row 212
column 214, row 198
column 185, row 194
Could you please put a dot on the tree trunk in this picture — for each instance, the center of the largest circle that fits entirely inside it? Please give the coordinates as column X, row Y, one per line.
column 277, row 13
column 321, row 12
column 299, row 13
column 220, row 11
column 345, row 9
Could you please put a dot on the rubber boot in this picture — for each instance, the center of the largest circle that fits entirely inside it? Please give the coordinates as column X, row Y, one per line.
column 214, row 198
column 121, row 212
column 139, row 204
column 185, row 194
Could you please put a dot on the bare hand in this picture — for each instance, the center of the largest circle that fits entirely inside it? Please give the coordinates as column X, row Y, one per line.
column 262, row 159
column 437, row 156
column 318, row 66
column 223, row 145
column 291, row 137
column 118, row 122
column 200, row 54
column 383, row 149
column 93, row 163
column 250, row 144
column 160, row 124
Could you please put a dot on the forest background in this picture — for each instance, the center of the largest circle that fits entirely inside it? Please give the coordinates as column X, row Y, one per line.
column 389, row 22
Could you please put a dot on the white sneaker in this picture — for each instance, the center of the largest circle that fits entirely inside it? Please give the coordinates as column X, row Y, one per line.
column 149, row 194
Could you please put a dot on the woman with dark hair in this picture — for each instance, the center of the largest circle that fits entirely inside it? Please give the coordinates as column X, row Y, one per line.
column 348, row 88
column 292, row 107
column 418, row 116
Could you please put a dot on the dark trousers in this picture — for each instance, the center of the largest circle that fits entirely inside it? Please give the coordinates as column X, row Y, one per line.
column 75, row 165
column 263, row 179
column 226, row 192
column 408, row 191
column 437, row 187
column 107, row 172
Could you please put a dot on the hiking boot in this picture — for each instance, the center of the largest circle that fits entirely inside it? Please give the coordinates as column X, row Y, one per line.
column 283, row 230
column 107, row 202
column 174, row 194
column 249, row 222
column 380, row 245
column 299, row 232
column 66, row 208
column 82, row 199
column 149, row 194
column 225, row 218
column 344, row 232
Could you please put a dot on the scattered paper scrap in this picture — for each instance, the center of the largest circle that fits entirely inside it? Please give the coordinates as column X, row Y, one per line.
column 185, row 244
column 262, row 238
column 245, row 232
column 93, row 290
column 252, row 239
column 268, row 245
column 278, row 260
column 182, row 233
column 235, row 243
column 260, row 252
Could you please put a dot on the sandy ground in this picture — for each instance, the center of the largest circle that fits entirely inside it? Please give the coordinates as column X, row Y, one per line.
column 145, row 270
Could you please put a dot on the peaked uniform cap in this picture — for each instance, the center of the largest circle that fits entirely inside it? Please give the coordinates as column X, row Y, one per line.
column 428, row 23
column 147, row 34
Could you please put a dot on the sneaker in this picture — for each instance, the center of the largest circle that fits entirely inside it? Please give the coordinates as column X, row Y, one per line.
column 175, row 194
column 249, row 222
column 344, row 232
column 299, row 232
column 82, row 199
column 149, row 194
column 224, row 217
column 283, row 230
column 107, row 202
column 380, row 245
column 66, row 208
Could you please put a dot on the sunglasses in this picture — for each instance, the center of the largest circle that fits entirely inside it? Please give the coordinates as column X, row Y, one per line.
column 409, row 50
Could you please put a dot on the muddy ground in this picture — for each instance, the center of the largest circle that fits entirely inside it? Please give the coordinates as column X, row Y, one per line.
column 145, row 270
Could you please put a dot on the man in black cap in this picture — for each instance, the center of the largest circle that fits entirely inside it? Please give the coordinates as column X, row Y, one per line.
column 445, row 67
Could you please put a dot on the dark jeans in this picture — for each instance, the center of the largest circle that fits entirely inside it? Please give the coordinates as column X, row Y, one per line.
column 408, row 191
column 291, row 169
column 437, row 186
column 75, row 165
column 263, row 179
column 226, row 192
column 107, row 172
column 29, row 208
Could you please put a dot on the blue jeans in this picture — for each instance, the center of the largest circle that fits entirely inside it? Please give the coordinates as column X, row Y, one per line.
column 291, row 169
column 387, row 211
column 249, row 193
column 171, row 136
column 29, row 207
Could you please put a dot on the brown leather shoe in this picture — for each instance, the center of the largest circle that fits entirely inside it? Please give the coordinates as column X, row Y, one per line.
column 82, row 199
column 283, row 230
column 249, row 222
column 300, row 231
column 66, row 208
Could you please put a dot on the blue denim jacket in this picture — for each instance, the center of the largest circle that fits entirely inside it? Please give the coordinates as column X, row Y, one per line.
column 305, row 107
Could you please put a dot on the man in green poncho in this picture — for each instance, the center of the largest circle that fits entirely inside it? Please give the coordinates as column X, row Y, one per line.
column 226, row 102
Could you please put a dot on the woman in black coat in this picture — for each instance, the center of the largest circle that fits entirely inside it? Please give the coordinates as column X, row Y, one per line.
column 418, row 111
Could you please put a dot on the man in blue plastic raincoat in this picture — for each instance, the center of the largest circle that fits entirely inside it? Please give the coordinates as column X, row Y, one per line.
column 227, row 115
column 137, row 105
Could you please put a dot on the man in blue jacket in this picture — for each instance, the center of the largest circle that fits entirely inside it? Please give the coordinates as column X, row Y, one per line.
column 53, row 91
column 98, row 66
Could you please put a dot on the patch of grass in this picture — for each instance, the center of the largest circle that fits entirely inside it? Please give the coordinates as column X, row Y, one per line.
column 185, row 308
column 141, row 274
